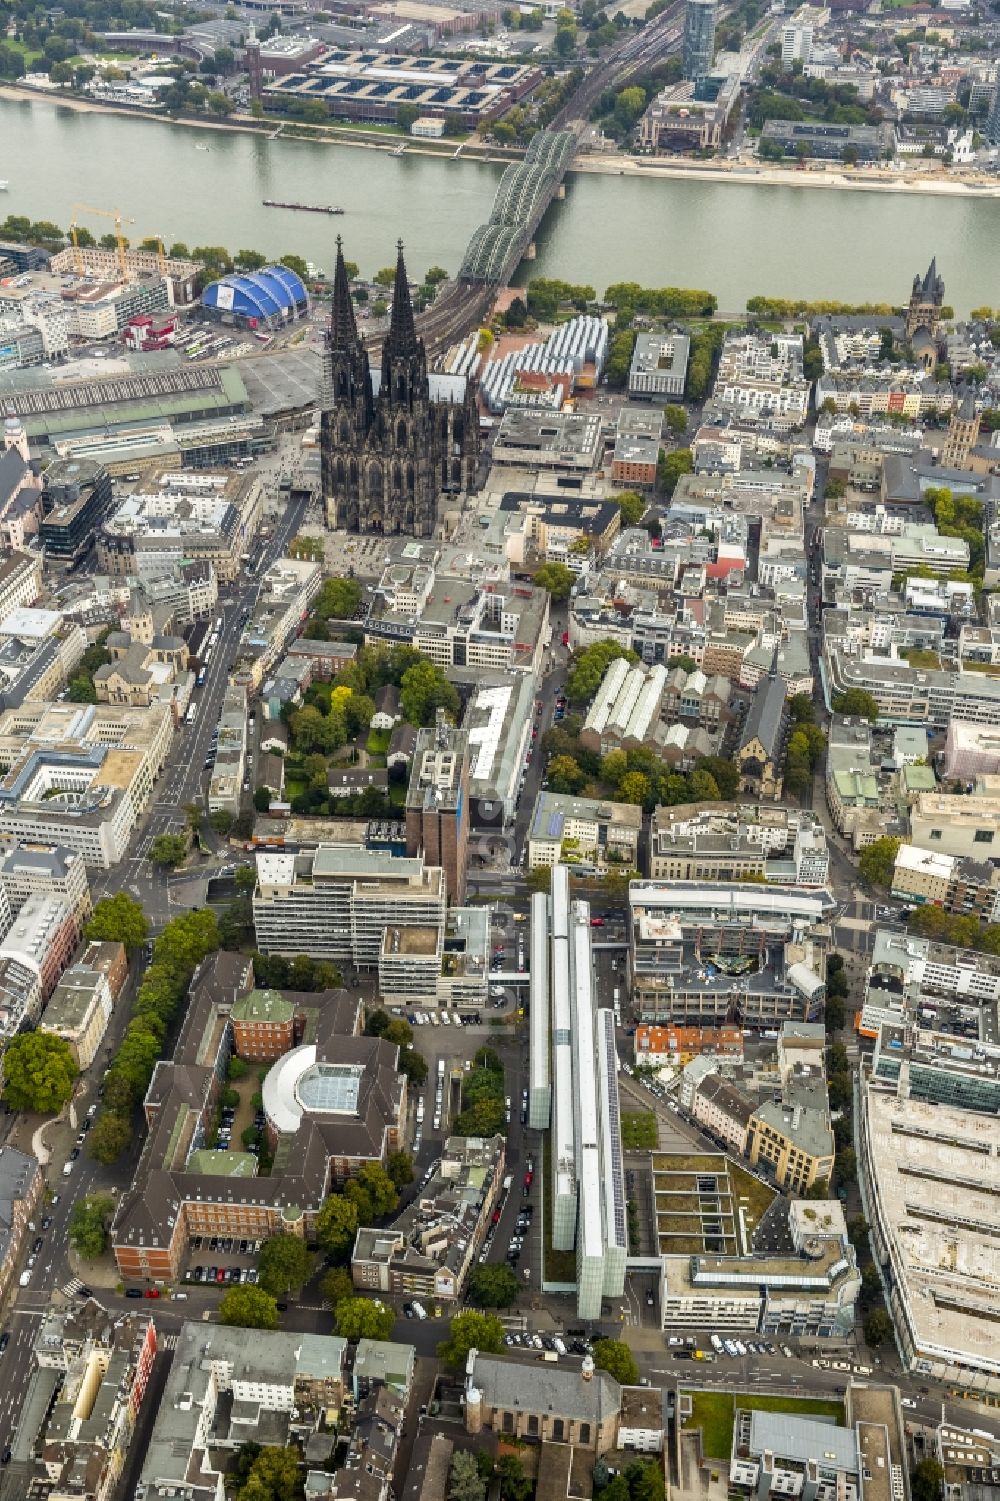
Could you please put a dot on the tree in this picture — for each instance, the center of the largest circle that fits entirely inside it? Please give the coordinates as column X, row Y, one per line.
column 589, row 668
column 118, row 919
column 339, row 599
column 471, row 1331
column 168, row 850
column 614, row 1356
column 273, row 1475
column 295, row 262
column 493, row 1285
column 399, row 1166
column 878, row 1328
column 39, row 1073
column 670, row 467
column 565, row 42
column 364, row 1318
column 565, row 774
column 514, row 1483
column 336, row 1227
column 878, row 861
column 89, row 1224
column 249, row 1308
column 82, row 690
column 556, row 578
column 464, row 1480
column 855, row 703
column 262, row 799
column 385, row 277
column 424, row 689
column 378, row 1189
column 284, row 1264
column 405, row 115
column 109, row 1138
column 336, row 1286
column 634, row 787
column 926, row 1480
column 633, row 507
column 676, row 419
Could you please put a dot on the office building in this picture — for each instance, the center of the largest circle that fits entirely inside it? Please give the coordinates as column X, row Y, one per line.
column 224, row 1390
column 38, row 653
column 708, row 954
column 930, row 1192
column 437, row 798
column 80, row 775
column 43, row 937
column 331, row 1104
column 177, row 515
column 698, row 47
column 809, row 1288
column 46, row 870
column 591, row 833
column 782, row 1453
column 660, row 361
column 587, row 1184
column 498, row 721
column 76, row 496
column 336, row 902
column 790, row 1141
column 967, row 827
column 732, row 842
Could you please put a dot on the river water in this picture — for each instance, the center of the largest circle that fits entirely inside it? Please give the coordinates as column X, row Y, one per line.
column 734, row 239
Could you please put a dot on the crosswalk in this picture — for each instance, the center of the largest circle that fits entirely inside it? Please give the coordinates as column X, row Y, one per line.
column 168, row 1341
column 73, row 1288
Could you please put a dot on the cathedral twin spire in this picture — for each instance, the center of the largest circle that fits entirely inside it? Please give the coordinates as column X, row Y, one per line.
column 402, row 336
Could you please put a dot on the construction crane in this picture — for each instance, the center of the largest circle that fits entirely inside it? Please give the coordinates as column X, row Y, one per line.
column 120, row 240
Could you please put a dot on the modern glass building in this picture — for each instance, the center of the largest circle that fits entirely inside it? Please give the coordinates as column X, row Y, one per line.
column 699, row 38
column 587, row 1187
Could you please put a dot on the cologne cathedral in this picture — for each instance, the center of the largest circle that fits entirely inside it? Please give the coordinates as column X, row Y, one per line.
column 393, row 443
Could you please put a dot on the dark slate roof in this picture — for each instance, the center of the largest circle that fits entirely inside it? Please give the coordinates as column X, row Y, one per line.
column 764, row 721
column 12, row 472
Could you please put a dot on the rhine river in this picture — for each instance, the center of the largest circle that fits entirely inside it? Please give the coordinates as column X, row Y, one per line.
column 733, row 239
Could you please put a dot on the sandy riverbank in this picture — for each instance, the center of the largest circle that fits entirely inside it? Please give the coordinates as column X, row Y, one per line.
column 269, row 129
column 679, row 169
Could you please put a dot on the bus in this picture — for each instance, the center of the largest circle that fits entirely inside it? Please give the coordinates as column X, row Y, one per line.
column 192, row 711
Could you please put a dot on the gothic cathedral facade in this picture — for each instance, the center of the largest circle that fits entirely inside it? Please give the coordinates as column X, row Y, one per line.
column 387, row 457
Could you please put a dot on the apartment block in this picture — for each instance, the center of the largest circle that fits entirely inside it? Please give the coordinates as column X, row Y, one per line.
column 429, row 1250
column 38, row 653
column 226, row 783
column 287, row 590
column 675, row 1046
column 78, row 1011
column 791, row 1141
column 965, row 887
column 22, row 1184
column 106, row 1365
column 223, row 1390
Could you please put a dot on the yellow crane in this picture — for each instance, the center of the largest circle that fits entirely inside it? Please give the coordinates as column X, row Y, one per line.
column 120, row 240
